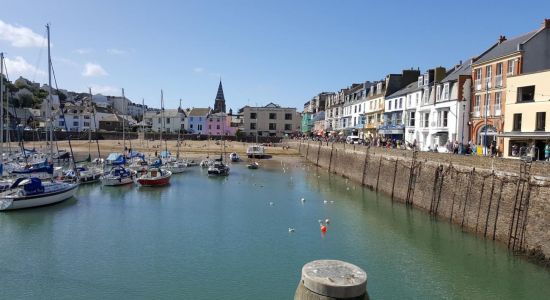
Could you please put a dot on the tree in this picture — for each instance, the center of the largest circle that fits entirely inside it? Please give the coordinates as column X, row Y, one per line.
column 26, row 100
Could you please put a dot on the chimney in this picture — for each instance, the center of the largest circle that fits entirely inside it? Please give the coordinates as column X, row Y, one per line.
column 546, row 24
column 501, row 39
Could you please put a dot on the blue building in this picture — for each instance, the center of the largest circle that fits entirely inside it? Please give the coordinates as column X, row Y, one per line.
column 197, row 118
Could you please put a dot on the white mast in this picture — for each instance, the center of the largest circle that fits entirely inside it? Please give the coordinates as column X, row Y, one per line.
column 161, row 116
column 123, row 123
column 2, row 105
column 50, row 100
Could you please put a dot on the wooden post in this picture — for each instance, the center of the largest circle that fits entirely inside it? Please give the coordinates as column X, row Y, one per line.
column 332, row 280
column 394, row 175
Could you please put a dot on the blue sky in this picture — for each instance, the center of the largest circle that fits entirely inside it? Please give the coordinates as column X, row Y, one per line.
column 281, row 51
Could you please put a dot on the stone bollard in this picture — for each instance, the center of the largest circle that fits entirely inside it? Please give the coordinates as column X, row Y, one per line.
column 332, row 280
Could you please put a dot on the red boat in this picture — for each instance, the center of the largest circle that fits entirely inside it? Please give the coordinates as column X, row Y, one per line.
column 155, row 177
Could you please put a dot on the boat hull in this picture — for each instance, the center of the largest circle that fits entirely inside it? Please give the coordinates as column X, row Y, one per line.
column 154, row 182
column 40, row 200
column 116, row 181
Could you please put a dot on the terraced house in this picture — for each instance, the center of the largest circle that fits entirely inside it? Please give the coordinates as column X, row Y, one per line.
column 507, row 57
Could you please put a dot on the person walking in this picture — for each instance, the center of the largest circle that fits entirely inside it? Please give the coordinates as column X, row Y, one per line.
column 547, row 151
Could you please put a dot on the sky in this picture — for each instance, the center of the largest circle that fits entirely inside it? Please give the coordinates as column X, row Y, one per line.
column 283, row 51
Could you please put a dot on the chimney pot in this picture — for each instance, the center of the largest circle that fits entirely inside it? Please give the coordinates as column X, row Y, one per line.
column 501, row 39
column 546, row 23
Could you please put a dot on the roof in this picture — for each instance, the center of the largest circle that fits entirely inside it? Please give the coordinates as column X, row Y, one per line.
column 219, row 94
column 199, row 112
column 109, row 118
column 463, row 69
column 505, row 48
column 411, row 87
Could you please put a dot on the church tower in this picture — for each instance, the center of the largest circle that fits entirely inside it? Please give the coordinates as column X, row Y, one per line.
column 219, row 103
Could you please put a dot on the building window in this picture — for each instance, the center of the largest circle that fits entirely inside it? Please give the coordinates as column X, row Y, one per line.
column 445, row 117
column 61, row 123
column 426, row 120
column 288, row 116
column 517, row 122
column 199, row 127
column 446, row 91
column 252, row 126
column 498, row 102
column 477, row 103
column 217, row 126
column 526, row 93
column 420, row 81
column 86, row 124
column 75, row 123
column 160, row 120
column 411, row 119
column 426, row 79
column 400, row 103
column 87, row 117
column 272, row 116
column 541, row 121
column 167, row 120
column 389, row 105
column 272, row 126
column 288, row 127
column 477, row 75
column 438, row 93
column 511, row 66
column 209, row 126
column 190, row 126
column 253, row 116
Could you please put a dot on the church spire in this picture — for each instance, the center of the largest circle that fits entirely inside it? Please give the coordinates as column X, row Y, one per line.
column 219, row 102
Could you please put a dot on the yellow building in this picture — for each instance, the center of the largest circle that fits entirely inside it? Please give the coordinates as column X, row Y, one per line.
column 526, row 113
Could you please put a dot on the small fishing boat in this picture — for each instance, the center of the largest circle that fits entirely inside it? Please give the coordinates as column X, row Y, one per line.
column 83, row 175
column 175, row 167
column 118, row 175
column 234, row 157
column 191, row 163
column 205, row 163
column 253, row 165
column 218, row 168
column 155, row 177
column 32, row 192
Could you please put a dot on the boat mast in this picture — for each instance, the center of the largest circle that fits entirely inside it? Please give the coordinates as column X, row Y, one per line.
column 95, row 124
column 142, row 119
column 179, row 131
column 123, row 124
column 2, row 106
column 8, row 132
column 50, row 100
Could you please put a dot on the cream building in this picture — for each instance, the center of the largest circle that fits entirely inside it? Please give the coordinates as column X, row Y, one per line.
column 526, row 114
column 270, row 120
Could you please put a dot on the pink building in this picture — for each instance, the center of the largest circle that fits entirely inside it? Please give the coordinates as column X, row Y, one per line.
column 219, row 124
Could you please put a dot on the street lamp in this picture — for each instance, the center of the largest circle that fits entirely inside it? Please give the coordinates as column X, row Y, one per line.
column 463, row 127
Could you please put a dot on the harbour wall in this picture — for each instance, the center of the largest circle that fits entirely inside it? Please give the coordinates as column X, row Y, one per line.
column 500, row 199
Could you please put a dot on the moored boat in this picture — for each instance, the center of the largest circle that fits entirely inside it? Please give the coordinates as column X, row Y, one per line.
column 253, row 165
column 155, row 177
column 175, row 167
column 218, row 168
column 118, row 175
column 234, row 157
column 32, row 192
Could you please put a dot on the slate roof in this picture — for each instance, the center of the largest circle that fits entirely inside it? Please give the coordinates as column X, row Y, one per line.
column 464, row 69
column 199, row 112
column 505, row 48
column 411, row 87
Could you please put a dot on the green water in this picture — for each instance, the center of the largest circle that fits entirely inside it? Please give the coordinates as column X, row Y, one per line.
column 214, row 238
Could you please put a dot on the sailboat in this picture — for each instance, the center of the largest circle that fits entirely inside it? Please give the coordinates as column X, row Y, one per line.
column 32, row 192
column 176, row 165
column 218, row 168
column 119, row 174
column 156, row 175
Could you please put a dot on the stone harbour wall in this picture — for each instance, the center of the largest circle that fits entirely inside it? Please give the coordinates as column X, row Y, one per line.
column 490, row 197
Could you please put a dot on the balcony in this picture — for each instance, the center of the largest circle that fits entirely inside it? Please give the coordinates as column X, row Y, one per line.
column 478, row 84
column 498, row 81
column 488, row 83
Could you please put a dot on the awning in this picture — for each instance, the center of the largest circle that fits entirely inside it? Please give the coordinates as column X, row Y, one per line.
column 441, row 133
column 390, row 131
column 527, row 135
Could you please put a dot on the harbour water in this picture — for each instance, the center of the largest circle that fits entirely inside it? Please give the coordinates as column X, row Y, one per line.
column 219, row 238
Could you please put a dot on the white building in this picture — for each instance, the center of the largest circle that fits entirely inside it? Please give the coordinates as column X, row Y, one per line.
column 172, row 120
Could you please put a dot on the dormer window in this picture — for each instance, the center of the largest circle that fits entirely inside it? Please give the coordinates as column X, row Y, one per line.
column 426, row 79
column 379, row 87
column 420, row 80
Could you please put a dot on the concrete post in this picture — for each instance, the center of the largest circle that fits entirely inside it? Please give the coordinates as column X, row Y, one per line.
column 332, row 280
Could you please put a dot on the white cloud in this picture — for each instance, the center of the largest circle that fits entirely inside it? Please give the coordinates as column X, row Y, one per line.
column 103, row 89
column 20, row 67
column 21, row 37
column 83, row 50
column 115, row 51
column 91, row 69
column 198, row 70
